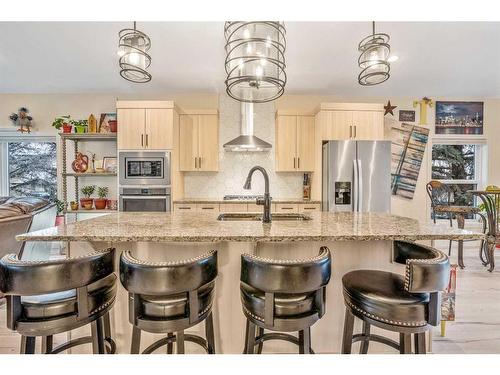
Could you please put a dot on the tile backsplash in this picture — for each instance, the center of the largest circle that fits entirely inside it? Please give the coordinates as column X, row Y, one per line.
column 234, row 166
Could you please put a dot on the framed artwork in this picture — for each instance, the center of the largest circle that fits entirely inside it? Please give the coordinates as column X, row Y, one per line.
column 104, row 122
column 407, row 149
column 109, row 164
column 459, row 118
column 406, row 116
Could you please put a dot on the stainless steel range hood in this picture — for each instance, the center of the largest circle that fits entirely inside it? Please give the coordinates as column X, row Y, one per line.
column 247, row 141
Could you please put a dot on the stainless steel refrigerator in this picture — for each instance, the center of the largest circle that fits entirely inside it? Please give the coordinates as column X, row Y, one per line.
column 357, row 176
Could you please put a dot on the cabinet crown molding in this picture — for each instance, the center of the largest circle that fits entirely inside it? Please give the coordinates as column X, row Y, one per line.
column 350, row 107
column 199, row 112
column 148, row 104
column 294, row 112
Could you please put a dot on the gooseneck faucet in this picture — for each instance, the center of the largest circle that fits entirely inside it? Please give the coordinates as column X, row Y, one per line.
column 266, row 201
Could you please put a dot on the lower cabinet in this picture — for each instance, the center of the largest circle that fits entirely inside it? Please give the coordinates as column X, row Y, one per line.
column 309, row 207
column 207, row 207
column 246, row 207
column 183, row 207
column 287, row 207
column 233, row 207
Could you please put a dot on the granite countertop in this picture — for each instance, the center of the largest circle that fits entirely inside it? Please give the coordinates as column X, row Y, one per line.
column 220, row 200
column 204, row 227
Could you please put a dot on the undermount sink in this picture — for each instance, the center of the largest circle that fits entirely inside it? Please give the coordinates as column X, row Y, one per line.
column 258, row 217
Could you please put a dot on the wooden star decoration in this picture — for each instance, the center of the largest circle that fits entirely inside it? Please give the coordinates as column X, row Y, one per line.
column 389, row 108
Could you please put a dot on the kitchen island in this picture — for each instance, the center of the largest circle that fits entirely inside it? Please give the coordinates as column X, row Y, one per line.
column 356, row 241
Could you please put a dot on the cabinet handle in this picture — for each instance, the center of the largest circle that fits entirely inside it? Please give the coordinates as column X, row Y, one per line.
column 355, row 131
column 207, row 208
column 309, row 208
column 183, row 208
column 147, row 143
column 294, row 163
column 142, row 140
column 195, row 163
column 298, row 163
column 287, row 208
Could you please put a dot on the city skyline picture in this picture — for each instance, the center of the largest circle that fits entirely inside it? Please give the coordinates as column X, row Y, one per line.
column 459, row 117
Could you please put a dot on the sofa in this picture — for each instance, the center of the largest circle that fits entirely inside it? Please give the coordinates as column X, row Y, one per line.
column 21, row 215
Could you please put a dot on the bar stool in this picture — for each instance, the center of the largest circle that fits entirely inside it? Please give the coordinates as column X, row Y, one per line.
column 285, row 296
column 409, row 305
column 170, row 297
column 45, row 298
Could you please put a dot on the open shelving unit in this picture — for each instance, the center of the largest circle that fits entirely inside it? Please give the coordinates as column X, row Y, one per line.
column 76, row 138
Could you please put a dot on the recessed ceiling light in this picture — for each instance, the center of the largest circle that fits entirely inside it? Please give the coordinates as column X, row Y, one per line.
column 393, row 58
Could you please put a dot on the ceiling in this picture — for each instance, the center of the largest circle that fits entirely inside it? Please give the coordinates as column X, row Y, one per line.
column 435, row 59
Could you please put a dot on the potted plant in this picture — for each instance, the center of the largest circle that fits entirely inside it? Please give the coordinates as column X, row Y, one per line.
column 102, row 193
column 113, row 126
column 61, row 206
column 62, row 121
column 87, row 191
column 80, row 125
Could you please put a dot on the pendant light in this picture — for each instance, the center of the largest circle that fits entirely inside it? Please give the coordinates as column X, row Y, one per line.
column 255, row 60
column 134, row 60
column 373, row 61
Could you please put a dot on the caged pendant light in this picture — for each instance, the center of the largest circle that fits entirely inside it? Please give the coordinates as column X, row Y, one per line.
column 373, row 61
column 134, row 60
column 255, row 60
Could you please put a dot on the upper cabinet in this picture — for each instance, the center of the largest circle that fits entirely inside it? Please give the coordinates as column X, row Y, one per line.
column 145, row 125
column 294, row 142
column 357, row 121
column 199, row 141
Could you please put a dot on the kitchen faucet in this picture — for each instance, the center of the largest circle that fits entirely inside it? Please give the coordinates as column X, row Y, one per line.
column 266, row 201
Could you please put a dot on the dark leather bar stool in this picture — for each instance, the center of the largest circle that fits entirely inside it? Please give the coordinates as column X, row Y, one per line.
column 283, row 296
column 170, row 297
column 409, row 305
column 45, row 298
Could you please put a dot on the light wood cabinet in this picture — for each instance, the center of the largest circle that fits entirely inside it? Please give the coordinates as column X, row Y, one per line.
column 207, row 207
column 132, row 124
column 309, row 207
column 344, row 121
column 159, row 129
column 233, row 207
column 183, row 207
column 287, row 207
column 145, row 125
column 294, row 143
column 199, row 142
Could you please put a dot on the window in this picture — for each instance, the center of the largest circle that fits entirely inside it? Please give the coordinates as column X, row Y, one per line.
column 459, row 167
column 29, row 167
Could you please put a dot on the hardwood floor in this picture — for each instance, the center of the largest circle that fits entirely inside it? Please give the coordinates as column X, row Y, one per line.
column 476, row 329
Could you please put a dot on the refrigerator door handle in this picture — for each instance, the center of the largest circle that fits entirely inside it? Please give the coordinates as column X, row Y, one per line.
column 360, row 186
column 355, row 185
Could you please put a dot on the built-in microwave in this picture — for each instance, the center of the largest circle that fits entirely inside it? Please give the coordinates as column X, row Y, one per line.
column 144, row 168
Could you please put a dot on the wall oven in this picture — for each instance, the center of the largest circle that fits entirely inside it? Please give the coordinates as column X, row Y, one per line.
column 139, row 199
column 144, row 178
column 144, row 168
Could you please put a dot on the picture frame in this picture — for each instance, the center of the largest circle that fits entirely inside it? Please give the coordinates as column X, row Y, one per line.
column 110, row 164
column 406, row 115
column 459, row 118
column 104, row 120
